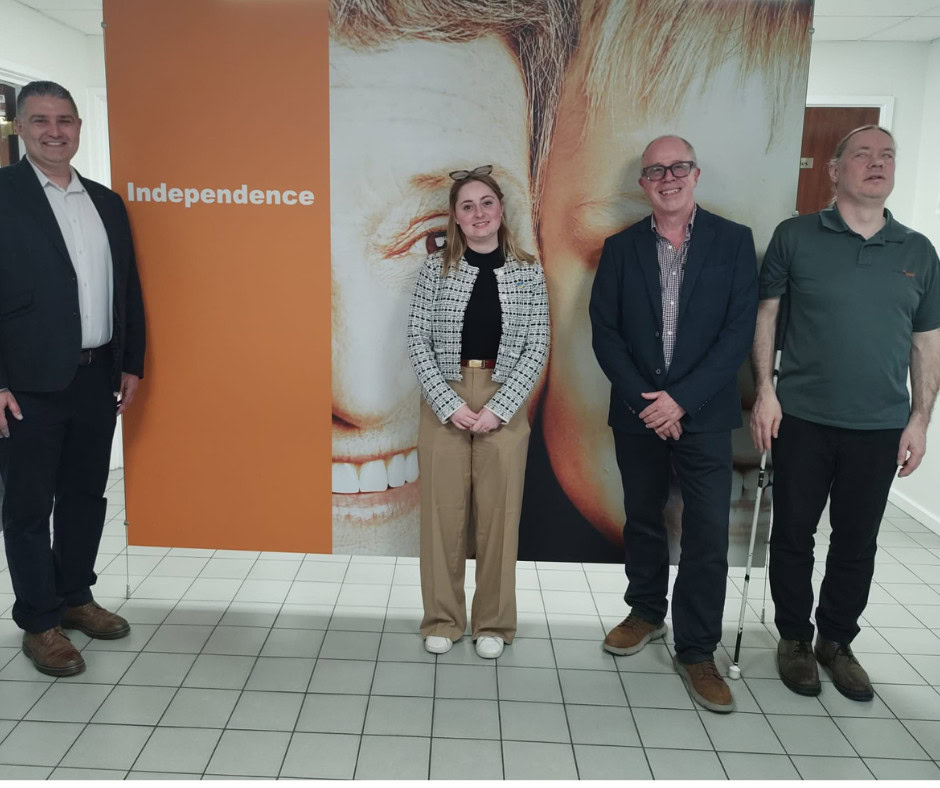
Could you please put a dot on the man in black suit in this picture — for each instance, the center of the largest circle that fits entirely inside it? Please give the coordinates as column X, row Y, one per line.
column 673, row 309
column 71, row 339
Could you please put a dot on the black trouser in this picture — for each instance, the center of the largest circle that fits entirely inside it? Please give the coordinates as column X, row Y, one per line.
column 58, row 453
column 703, row 464
column 854, row 469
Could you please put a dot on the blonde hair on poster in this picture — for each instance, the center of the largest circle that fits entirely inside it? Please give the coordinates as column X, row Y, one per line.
column 542, row 34
column 653, row 50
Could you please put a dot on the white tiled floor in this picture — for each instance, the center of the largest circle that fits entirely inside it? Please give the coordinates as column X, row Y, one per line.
column 281, row 665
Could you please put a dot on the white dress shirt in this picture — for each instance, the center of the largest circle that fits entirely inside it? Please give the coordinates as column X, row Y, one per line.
column 87, row 243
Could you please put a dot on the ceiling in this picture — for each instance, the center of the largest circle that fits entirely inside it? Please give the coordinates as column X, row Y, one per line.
column 81, row 15
column 835, row 20
column 877, row 20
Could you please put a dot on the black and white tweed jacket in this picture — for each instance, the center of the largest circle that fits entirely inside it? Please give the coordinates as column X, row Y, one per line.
column 435, row 327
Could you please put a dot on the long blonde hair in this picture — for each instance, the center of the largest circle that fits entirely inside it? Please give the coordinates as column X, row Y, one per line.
column 541, row 34
column 647, row 54
column 456, row 245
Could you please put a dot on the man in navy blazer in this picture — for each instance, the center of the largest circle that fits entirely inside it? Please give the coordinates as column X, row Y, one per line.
column 71, row 338
column 673, row 309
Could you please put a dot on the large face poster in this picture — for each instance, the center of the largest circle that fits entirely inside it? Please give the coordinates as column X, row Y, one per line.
column 561, row 97
column 282, row 212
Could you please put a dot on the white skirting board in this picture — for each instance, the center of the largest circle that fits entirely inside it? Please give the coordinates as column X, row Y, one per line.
column 915, row 510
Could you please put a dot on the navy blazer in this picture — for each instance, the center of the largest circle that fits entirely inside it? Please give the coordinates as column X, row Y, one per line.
column 717, row 315
column 40, row 327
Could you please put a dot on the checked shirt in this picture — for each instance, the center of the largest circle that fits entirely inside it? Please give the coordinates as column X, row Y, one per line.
column 671, row 274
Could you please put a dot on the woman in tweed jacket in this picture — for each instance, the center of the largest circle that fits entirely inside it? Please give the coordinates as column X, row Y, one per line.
column 478, row 337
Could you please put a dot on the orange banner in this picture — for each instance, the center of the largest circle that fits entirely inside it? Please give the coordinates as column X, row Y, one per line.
column 220, row 149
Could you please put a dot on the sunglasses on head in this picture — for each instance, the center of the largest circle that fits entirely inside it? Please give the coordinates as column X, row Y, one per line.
column 462, row 175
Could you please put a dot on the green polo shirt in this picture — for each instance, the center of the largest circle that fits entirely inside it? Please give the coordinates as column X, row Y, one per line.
column 853, row 305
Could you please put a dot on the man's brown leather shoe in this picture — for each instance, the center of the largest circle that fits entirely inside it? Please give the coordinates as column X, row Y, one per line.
column 849, row 677
column 53, row 653
column 631, row 634
column 96, row 622
column 797, row 667
column 706, row 685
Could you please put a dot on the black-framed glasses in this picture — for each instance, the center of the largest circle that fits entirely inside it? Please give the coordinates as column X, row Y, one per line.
column 679, row 169
column 462, row 175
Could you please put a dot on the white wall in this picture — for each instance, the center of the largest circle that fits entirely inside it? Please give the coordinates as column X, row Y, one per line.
column 927, row 216
column 910, row 72
column 919, row 494
column 40, row 47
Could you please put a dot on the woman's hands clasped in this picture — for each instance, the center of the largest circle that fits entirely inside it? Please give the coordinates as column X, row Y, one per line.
column 466, row 419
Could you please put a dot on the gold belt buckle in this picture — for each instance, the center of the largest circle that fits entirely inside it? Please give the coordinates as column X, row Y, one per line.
column 475, row 363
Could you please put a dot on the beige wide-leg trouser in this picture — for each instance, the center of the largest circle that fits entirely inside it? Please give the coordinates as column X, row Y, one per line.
column 468, row 475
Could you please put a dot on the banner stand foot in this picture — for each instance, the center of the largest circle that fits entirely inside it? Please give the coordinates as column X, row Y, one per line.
column 127, row 561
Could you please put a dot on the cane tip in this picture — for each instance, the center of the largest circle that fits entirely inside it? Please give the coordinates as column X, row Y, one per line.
column 734, row 672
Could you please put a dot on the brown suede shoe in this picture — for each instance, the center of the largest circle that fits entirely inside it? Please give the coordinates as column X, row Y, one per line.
column 96, row 622
column 706, row 685
column 53, row 653
column 797, row 667
column 631, row 634
column 849, row 677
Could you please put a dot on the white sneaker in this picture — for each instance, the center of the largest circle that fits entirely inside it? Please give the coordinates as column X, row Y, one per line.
column 489, row 647
column 437, row 645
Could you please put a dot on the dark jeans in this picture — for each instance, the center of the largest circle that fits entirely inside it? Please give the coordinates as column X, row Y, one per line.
column 58, row 453
column 854, row 469
column 703, row 464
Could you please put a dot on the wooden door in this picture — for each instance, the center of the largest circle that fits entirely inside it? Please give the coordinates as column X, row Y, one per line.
column 823, row 127
column 9, row 150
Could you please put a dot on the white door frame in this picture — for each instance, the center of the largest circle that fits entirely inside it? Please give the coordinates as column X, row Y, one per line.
column 96, row 136
column 884, row 103
column 17, row 74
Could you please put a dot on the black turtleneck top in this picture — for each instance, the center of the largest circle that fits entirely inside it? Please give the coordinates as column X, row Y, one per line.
column 482, row 322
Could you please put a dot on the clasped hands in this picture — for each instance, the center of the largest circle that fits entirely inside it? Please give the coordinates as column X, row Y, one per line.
column 662, row 414
column 466, row 419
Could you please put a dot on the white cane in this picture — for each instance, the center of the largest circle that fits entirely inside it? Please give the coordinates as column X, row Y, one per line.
column 734, row 671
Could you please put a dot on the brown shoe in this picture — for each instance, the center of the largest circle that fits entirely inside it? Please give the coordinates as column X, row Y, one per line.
column 849, row 677
column 797, row 667
column 706, row 685
column 631, row 634
column 52, row 652
column 96, row 622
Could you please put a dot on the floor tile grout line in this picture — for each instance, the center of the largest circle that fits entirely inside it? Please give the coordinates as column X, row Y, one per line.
column 241, row 692
column 561, row 689
column 316, row 659
column 86, row 724
column 195, row 660
column 433, row 708
column 365, row 716
column 914, row 737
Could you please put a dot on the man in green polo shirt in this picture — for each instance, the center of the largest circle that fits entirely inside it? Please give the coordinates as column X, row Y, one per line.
column 863, row 307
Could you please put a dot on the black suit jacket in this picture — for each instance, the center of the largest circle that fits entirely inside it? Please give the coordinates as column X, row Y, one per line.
column 717, row 314
column 40, row 327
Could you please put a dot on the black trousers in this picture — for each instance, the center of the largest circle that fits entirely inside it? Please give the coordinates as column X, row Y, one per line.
column 57, row 455
column 703, row 464
column 854, row 470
